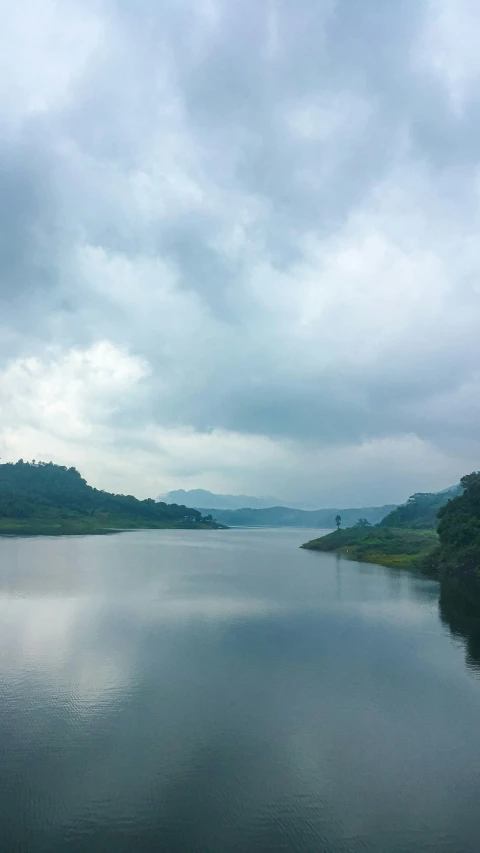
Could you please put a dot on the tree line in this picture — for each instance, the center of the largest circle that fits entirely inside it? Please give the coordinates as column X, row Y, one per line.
column 33, row 490
column 456, row 559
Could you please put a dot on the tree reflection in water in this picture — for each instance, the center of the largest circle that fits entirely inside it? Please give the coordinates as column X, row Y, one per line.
column 461, row 613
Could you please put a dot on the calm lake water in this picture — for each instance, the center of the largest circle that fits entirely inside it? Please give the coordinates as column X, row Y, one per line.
column 211, row 692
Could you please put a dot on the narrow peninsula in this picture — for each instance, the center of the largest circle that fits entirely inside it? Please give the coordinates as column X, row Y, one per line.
column 438, row 534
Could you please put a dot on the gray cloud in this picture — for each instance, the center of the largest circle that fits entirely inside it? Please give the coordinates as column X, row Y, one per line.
column 268, row 214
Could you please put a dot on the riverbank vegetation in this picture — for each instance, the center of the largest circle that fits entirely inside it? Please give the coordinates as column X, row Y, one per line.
column 438, row 535
column 456, row 558
column 406, row 537
column 387, row 546
column 402, row 538
column 42, row 498
column 420, row 512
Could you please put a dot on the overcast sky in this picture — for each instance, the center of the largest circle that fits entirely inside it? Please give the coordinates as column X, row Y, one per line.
column 239, row 244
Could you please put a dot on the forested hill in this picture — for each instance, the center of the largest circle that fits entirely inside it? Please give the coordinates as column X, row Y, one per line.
column 421, row 510
column 281, row 516
column 401, row 538
column 457, row 558
column 43, row 497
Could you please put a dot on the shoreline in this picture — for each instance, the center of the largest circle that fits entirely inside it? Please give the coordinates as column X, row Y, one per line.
column 390, row 547
column 81, row 529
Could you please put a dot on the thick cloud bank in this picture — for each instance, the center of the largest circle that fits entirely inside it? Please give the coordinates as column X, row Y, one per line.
column 239, row 244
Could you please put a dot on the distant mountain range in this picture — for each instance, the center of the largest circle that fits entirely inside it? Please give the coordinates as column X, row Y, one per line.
column 281, row 516
column 201, row 497
column 247, row 511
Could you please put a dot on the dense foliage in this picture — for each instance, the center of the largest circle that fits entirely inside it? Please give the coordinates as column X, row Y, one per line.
column 457, row 557
column 420, row 511
column 36, row 494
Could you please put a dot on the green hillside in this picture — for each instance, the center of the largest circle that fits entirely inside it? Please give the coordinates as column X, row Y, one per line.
column 40, row 497
column 388, row 546
column 440, row 534
column 456, row 560
column 403, row 537
column 421, row 510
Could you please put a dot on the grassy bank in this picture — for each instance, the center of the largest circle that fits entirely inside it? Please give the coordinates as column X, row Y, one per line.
column 387, row 546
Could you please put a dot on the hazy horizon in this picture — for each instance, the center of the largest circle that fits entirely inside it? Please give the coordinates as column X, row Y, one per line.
column 239, row 245
column 252, row 501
